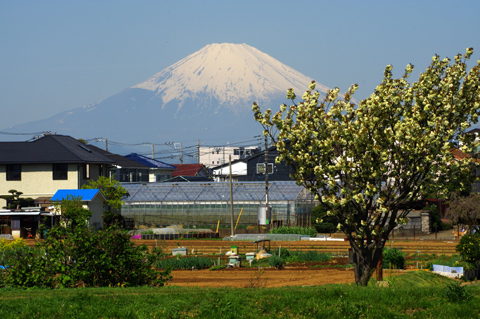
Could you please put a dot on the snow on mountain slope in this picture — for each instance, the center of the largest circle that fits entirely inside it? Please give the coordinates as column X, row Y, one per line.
column 229, row 73
column 207, row 95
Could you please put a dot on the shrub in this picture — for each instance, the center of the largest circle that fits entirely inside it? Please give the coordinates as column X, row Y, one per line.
column 393, row 258
column 6, row 245
column 308, row 231
column 456, row 293
column 185, row 263
column 80, row 257
column 276, row 261
column 322, row 222
column 437, row 219
column 282, row 252
column 325, row 227
column 469, row 248
column 8, row 251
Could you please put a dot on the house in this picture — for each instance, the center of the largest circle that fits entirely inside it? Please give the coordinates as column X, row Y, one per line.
column 24, row 223
column 157, row 171
column 40, row 167
column 92, row 199
column 126, row 170
column 212, row 156
column 191, row 172
column 252, row 168
column 236, row 168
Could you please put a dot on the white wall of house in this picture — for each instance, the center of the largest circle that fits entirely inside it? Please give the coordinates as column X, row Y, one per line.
column 96, row 206
column 214, row 156
column 223, row 173
column 37, row 180
column 159, row 175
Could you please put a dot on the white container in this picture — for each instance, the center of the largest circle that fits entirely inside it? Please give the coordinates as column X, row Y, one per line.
column 250, row 256
column 179, row 251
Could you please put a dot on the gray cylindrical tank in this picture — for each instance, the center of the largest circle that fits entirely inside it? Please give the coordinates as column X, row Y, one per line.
column 264, row 217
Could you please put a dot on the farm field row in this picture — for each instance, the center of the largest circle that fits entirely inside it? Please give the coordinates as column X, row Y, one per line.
column 210, row 247
column 215, row 247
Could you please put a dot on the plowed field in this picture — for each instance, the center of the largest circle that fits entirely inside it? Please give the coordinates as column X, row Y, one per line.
column 298, row 274
column 265, row 277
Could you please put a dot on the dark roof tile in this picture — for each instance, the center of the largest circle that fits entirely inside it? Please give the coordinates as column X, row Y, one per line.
column 50, row 149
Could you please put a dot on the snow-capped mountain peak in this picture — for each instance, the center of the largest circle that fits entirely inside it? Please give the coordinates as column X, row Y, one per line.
column 229, row 73
column 207, row 95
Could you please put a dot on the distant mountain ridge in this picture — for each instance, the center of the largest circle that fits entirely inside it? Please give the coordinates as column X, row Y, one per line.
column 207, row 95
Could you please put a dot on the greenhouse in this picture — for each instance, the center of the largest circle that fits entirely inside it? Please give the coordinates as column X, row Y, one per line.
column 208, row 204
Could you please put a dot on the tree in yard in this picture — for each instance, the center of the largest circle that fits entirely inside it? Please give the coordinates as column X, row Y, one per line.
column 114, row 193
column 14, row 201
column 365, row 163
column 73, row 211
column 465, row 210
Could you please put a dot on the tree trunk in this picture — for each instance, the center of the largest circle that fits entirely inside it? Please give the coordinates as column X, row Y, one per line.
column 365, row 259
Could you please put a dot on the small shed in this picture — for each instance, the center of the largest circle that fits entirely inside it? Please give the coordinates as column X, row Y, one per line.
column 92, row 199
column 25, row 222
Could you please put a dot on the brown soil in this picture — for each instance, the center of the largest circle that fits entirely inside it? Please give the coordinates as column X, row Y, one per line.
column 291, row 275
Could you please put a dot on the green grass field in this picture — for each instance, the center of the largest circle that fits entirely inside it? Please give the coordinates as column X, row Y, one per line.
column 413, row 295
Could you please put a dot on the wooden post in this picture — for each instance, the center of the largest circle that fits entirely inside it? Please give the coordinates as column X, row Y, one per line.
column 232, row 230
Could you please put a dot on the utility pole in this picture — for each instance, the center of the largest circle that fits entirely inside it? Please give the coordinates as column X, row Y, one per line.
column 181, row 152
column 198, row 150
column 153, row 148
column 231, row 196
column 267, row 209
column 106, row 144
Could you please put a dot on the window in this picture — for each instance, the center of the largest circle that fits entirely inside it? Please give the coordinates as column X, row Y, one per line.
column 14, row 172
column 261, row 168
column 163, row 177
column 86, row 171
column 60, row 171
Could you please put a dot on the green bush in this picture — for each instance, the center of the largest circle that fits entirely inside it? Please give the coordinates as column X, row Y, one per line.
column 185, row 263
column 325, row 227
column 469, row 248
column 437, row 219
column 456, row 293
column 80, row 257
column 282, row 252
column 322, row 222
column 308, row 231
column 276, row 261
column 393, row 258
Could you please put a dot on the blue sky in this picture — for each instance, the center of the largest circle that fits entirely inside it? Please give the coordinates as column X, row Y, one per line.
column 60, row 55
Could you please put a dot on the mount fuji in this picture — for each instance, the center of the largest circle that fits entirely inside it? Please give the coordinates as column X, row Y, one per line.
column 206, row 96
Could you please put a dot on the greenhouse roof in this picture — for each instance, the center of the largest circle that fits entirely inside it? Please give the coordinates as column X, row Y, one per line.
column 213, row 191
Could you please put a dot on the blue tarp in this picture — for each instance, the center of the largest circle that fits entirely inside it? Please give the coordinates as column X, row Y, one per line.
column 86, row 194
